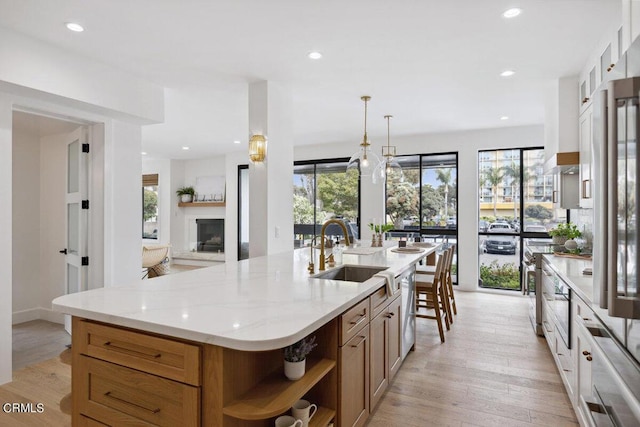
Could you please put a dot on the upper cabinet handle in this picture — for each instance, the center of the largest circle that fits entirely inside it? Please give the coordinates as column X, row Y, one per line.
column 585, row 100
column 610, row 67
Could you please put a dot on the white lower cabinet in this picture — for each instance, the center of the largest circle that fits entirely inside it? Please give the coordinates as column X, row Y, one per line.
column 582, row 360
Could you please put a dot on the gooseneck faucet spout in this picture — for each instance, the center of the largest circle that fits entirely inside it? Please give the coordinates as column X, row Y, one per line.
column 324, row 227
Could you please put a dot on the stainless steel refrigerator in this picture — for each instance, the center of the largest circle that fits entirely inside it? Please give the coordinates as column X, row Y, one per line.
column 616, row 126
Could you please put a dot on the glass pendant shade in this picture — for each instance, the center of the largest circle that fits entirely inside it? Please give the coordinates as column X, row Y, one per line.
column 388, row 166
column 364, row 161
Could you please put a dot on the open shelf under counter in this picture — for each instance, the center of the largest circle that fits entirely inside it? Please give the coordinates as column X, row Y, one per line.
column 323, row 417
column 275, row 394
column 201, row 204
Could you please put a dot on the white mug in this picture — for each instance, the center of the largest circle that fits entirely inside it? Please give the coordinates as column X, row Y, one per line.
column 304, row 410
column 288, row 421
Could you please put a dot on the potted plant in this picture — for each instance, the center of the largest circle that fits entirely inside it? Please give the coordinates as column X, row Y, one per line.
column 186, row 194
column 565, row 233
column 295, row 356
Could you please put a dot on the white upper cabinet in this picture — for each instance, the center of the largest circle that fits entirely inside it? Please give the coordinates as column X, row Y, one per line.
column 586, row 140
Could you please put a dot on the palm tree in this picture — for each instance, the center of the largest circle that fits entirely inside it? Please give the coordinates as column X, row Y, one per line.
column 513, row 172
column 444, row 176
column 494, row 177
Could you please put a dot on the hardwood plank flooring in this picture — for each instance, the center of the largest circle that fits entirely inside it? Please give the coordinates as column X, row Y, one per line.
column 492, row 370
column 37, row 341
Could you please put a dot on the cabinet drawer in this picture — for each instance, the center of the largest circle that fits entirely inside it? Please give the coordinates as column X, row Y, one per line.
column 378, row 301
column 354, row 319
column 88, row 422
column 159, row 356
column 117, row 395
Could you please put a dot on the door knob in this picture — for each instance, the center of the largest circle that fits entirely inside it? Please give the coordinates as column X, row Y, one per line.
column 64, row 251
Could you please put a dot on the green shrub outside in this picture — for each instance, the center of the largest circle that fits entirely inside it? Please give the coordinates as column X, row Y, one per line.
column 505, row 276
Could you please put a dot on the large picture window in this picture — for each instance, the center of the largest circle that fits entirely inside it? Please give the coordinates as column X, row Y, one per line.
column 150, row 206
column 322, row 190
column 425, row 203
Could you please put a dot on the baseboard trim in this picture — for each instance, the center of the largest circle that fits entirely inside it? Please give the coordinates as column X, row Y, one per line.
column 38, row 313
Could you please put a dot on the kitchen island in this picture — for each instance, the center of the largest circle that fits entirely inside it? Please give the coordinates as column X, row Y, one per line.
column 211, row 341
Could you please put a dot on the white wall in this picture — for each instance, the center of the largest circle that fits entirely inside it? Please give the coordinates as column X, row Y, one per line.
column 123, row 203
column 26, row 227
column 467, row 145
column 28, row 65
column 6, row 254
column 184, row 173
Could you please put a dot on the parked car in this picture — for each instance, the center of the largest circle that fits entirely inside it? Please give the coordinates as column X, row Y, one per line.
column 500, row 244
column 535, row 229
column 482, row 226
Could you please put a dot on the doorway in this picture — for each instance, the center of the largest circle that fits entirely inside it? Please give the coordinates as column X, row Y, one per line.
column 40, row 149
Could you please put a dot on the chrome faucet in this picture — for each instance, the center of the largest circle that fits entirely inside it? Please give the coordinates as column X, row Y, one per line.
column 324, row 226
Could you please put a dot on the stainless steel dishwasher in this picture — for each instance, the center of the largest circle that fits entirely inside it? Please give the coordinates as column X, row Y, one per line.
column 407, row 281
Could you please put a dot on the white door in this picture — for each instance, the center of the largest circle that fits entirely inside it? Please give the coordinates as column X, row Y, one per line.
column 77, row 205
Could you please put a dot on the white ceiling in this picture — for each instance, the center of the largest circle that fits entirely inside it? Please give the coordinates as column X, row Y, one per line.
column 433, row 64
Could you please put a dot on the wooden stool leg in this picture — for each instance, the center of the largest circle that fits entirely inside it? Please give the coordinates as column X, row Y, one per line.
column 436, row 307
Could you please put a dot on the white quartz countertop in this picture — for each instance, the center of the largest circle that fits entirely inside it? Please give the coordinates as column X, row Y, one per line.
column 570, row 270
column 262, row 303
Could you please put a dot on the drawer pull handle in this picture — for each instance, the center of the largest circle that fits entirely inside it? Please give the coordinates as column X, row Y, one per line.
column 360, row 320
column 129, row 350
column 391, row 314
column 361, row 341
column 111, row 396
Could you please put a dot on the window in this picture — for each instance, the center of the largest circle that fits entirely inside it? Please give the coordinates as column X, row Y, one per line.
column 322, row 189
column 150, row 206
column 425, row 203
column 513, row 191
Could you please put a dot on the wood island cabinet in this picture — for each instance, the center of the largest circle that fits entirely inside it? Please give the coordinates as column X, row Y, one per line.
column 122, row 376
column 386, row 351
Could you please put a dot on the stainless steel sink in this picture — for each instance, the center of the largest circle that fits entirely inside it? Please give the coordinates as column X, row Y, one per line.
column 349, row 273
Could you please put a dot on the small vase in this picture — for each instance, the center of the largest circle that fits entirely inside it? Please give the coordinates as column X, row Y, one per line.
column 571, row 244
column 294, row 370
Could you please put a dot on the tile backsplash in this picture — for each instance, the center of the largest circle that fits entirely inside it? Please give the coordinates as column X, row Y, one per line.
column 583, row 218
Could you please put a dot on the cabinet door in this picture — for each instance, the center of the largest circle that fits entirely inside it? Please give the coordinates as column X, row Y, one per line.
column 583, row 376
column 354, row 380
column 586, row 182
column 395, row 337
column 379, row 362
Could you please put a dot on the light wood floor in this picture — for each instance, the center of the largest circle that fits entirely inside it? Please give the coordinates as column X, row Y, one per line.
column 491, row 371
column 37, row 341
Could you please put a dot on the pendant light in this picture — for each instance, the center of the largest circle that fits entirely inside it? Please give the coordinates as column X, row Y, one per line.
column 389, row 166
column 364, row 161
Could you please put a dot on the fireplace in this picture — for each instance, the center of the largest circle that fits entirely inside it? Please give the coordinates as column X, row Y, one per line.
column 210, row 234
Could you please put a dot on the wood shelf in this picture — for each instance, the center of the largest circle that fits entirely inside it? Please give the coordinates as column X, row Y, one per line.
column 275, row 394
column 322, row 418
column 201, row 204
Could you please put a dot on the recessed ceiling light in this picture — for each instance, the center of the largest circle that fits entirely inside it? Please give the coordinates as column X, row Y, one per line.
column 512, row 13
column 185, row 148
column 144, row 153
column 236, row 142
column 74, row 27
column 315, row 55
column 507, row 73
column 504, row 118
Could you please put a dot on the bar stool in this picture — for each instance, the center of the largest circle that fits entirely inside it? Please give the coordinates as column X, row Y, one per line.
column 452, row 297
column 447, row 283
column 430, row 292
